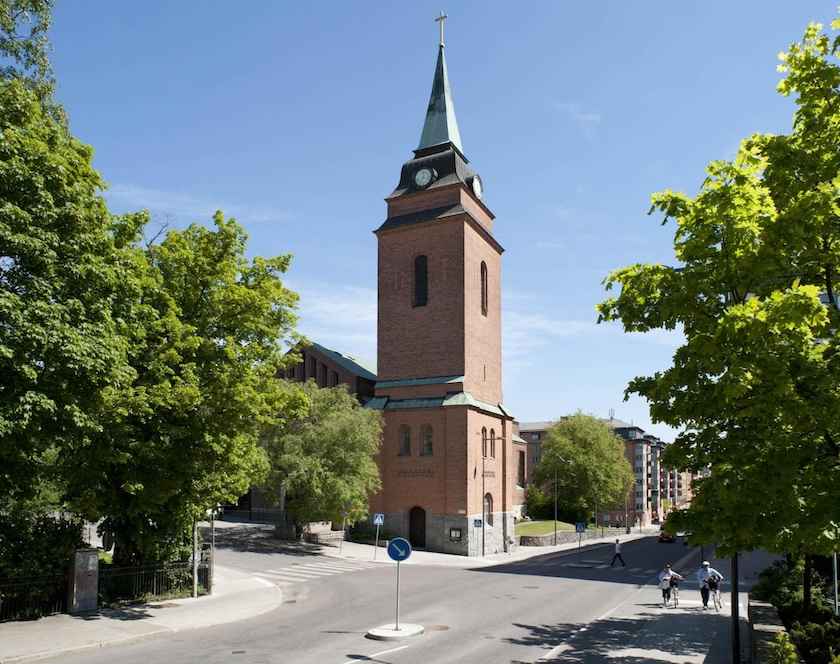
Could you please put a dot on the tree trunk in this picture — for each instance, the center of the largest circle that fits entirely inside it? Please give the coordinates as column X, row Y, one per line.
column 807, row 577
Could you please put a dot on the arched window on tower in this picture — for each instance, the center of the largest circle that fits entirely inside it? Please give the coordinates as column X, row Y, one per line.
column 493, row 443
column 484, row 441
column 426, row 440
column 483, row 288
column 421, row 281
column 405, row 441
column 488, row 509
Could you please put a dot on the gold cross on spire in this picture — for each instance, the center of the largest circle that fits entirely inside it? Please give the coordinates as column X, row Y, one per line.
column 440, row 19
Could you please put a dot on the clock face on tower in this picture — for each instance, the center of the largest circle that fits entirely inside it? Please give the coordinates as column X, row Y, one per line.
column 423, row 178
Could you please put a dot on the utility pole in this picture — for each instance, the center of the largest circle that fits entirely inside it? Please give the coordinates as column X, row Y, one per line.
column 195, row 559
column 736, row 622
column 555, row 505
column 836, row 607
column 483, row 502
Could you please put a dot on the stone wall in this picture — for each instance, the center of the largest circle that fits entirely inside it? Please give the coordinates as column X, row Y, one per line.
column 764, row 625
column 566, row 536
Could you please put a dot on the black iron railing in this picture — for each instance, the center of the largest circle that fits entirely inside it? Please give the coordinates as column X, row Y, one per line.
column 135, row 583
column 23, row 598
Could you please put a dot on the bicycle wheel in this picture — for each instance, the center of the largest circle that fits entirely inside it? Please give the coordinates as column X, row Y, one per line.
column 718, row 603
column 676, row 593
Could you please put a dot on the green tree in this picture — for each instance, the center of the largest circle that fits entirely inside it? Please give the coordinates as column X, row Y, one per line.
column 206, row 336
column 61, row 275
column 588, row 460
column 23, row 40
column 324, row 460
column 754, row 385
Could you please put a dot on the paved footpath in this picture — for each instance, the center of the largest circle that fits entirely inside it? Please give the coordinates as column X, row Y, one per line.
column 238, row 596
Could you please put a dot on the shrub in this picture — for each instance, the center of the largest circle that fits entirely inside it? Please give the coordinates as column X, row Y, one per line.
column 782, row 650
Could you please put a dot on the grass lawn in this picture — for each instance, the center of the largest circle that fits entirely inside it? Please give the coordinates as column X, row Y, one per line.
column 541, row 527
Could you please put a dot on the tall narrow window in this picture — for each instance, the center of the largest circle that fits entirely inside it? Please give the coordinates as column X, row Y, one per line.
column 405, row 441
column 493, row 443
column 483, row 288
column 520, row 470
column 484, row 441
column 488, row 509
column 322, row 375
column 421, row 281
column 333, row 378
column 426, row 440
column 313, row 368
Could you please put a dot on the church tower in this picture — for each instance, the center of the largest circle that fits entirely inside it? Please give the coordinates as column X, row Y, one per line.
column 450, row 473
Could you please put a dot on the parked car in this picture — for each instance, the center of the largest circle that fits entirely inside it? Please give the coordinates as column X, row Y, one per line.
column 666, row 536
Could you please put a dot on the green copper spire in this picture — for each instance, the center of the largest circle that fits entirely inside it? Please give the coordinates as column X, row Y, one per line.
column 440, row 126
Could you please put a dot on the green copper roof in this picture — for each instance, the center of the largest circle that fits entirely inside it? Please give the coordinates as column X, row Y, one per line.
column 441, row 126
column 458, row 399
column 409, row 382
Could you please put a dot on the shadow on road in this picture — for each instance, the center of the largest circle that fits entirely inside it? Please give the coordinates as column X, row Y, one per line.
column 622, row 640
column 259, row 539
column 644, row 558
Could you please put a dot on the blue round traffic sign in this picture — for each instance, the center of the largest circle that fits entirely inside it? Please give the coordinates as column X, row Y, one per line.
column 399, row 549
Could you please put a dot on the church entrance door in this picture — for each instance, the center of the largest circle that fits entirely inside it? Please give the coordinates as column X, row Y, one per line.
column 417, row 527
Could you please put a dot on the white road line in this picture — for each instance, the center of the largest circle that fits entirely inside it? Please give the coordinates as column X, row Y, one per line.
column 337, row 568
column 288, row 570
column 376, row 654
column 264, row 582
column 300, row 569
column 279, row 577
column 349, row 565
column 300, row 575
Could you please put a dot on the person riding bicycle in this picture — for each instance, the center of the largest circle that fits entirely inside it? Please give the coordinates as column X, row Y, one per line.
column 668, row 579
column 709, row 579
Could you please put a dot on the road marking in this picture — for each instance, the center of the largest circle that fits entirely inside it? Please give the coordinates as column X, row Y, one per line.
column 367, row 658
column 282, row 577
column 311, row 569
column 264, row 582
column 298, row 575
column 343, row 568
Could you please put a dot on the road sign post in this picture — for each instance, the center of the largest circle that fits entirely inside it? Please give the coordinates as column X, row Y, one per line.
column 580, row 527
column 378, row 520
column 399, row 549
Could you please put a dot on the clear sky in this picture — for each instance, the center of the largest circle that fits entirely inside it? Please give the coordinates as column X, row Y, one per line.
column 296, row 117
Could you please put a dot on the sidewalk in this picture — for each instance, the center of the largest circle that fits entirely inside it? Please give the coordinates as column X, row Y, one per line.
column 237, row 596
column 365, row 552
column 640, row 629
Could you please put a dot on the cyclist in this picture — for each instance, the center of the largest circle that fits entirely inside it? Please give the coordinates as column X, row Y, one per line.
column 668, row 580
column 709, row 579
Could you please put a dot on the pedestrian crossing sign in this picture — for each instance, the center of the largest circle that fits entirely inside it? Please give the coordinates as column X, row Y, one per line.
column 580, row 527
column 378, row 519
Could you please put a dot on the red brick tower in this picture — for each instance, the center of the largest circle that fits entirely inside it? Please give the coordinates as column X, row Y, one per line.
column 448, row 466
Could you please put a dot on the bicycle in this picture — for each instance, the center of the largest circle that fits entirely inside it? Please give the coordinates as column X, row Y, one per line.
column 714, row 590
column 675, row 595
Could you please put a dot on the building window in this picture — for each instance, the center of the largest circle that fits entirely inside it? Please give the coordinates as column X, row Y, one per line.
column 313, row 368
column 483, row 288
column 322, row 378
column 426, row 440
column 484, row 441
column 520, row 470
column 333, row 378
column 405, row 441
column 493, row 443
column 488, row 509
column 421, row 281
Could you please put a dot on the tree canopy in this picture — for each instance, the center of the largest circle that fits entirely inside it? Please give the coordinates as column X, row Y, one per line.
column 325, row 459
column 588, row 461
column 754, row 386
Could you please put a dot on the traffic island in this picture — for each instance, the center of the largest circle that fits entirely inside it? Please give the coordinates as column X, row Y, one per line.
column 391, row 633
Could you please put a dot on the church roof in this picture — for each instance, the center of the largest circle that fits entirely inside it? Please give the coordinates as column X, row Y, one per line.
column 440, row 126
column 346, row 362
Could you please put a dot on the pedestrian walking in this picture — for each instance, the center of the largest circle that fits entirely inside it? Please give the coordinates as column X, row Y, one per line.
column 709, row 580
column 617, row 554
column 668, row 580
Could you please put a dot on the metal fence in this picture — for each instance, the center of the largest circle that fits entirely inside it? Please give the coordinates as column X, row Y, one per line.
column 23, row 598
column 132, row 583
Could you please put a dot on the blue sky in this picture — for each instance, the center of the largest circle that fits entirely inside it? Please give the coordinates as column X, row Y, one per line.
column 296, row 117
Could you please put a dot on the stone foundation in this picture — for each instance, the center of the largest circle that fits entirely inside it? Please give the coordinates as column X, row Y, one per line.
column 441, row 538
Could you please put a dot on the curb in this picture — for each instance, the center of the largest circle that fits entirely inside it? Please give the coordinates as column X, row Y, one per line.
column 157, row 630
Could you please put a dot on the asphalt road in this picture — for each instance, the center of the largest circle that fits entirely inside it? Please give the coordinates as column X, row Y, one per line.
column 515, row 612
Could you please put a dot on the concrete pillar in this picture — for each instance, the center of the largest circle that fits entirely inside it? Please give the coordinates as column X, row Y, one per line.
column 84, row 581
